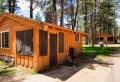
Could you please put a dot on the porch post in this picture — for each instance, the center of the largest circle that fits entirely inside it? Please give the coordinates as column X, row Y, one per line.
column 36, row 49
column 13, row 45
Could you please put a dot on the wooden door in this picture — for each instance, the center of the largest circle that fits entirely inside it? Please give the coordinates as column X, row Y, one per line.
column 53, row 50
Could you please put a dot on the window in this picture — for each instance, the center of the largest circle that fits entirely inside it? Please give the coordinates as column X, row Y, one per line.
column 4, row 39
column 24, row 42
column 43, row 42
column 96, row 38
column 76, row 37
column 110, row 38
column 101, row 38
column 61, row 42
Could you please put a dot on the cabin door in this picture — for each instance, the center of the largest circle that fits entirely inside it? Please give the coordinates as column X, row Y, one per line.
column 53, row 50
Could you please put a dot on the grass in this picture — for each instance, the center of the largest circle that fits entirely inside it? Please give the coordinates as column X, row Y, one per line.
column 2, row 64
column 12, row 71
column 87, row 45
column 99, row 52
column 118, row 41
column 7, row 71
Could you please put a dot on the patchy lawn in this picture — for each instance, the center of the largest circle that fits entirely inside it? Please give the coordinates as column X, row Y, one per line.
column 99, row 52
column 2, row 64
column 118, row 41
column 7, row 71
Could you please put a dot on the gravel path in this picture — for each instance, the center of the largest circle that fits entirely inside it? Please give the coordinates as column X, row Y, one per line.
column 115, row 68
column 87, row 75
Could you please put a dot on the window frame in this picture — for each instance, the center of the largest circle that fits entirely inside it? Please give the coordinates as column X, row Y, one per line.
column 24, row 41
column 78, row 38
column 1, row 32
column 61, row 44
column 97, row 38
column 100, row 38
column 109, row 39
column 45, row 49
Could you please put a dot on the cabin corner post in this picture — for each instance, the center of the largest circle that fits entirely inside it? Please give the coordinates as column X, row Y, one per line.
column 48, row 48
column 81, row 39
column 13, row 39
column 113, row 39
column 58, row 59
column 35, row 49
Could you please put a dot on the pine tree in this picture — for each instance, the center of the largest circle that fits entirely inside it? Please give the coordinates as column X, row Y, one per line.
column 38, row 17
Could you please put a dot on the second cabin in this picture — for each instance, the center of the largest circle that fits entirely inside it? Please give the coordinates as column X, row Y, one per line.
column 106, row 38
column 36, row 45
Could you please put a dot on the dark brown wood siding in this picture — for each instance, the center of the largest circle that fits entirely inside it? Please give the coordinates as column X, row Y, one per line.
column 43, row 42
column 61, row 42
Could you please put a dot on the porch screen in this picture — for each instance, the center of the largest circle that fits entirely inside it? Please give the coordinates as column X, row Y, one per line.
column 110, row 38
column 96, row 38
column 24, row 42
column 76, row 37
column 61, row 42
column 101, row 38
column 43, row 42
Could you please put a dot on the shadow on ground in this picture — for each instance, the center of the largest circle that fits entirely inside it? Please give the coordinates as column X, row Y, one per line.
column 63, row 72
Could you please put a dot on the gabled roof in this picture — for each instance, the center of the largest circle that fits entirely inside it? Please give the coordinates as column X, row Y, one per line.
column 34, row 23
column 21, row 19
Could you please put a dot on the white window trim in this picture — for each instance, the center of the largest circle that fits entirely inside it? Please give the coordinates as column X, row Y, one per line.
column 1, row 38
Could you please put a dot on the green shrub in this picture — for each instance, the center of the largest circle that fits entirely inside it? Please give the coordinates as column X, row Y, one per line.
column 118, row 41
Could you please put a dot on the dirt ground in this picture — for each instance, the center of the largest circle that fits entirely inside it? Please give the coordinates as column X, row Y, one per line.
column 93, row 70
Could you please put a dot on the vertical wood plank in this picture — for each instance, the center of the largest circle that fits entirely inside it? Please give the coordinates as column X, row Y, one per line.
column 30, row 62
column 26, row 61
column 18, row 59
column 13, row 45
column 35, row 48
column 48, row 48
column 22, row 60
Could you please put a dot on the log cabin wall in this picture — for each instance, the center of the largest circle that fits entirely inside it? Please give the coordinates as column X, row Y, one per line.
column 6, row 26
column 14, row 26
column 39, row 59
column 69, row 41
column 23, row 60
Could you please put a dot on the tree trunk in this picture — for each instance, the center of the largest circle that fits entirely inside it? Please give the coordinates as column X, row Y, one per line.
column 92, row 28
column 13, row 6
column 54, row 9
column 85, row 23
column 9, row 2
column 93, row 24
column 31, row 9
column 62, row 12
column 76, row 13
column 100, row 25
column 72, row 14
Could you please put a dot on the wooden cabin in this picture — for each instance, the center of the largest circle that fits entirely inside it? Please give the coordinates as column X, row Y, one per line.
column 106, row 38
column 36, row 45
